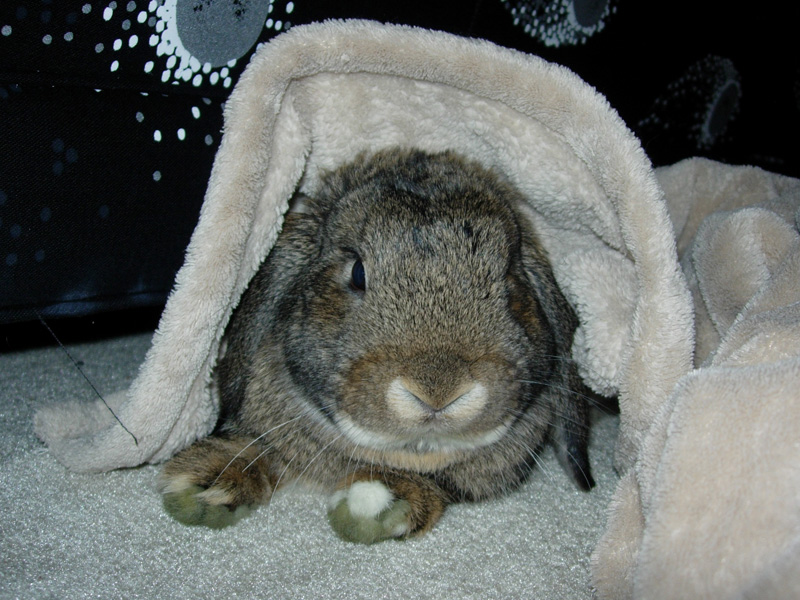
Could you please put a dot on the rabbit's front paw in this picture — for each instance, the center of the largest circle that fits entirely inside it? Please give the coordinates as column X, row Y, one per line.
column 368, row 512
column 189, row 504
column 398, row 505
column 214, row 482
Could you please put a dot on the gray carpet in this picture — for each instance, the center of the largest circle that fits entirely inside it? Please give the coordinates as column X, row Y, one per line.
column 65, row 535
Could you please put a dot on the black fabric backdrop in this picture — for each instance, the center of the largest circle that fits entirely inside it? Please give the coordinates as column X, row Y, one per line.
column 110, row 113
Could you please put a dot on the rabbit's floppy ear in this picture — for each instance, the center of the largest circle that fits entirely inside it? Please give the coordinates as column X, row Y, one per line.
column 571, row 415
column 536, row 266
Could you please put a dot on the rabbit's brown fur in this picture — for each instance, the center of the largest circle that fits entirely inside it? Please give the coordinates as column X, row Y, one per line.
column 406, row 333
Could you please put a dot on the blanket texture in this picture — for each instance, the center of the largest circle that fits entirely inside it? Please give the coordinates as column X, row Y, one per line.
column 699, row 443
column 711, row 507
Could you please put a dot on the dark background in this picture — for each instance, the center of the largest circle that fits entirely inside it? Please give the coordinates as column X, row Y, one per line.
column 105, row 149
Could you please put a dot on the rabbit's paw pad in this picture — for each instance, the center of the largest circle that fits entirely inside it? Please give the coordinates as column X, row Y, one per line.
column 195, row 505
column 368, row 512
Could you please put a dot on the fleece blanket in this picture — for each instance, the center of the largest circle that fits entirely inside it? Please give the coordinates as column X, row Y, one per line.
column 711, row 509
column 318, row 95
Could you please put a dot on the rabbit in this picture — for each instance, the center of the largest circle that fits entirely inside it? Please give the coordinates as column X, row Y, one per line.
column 404, row 347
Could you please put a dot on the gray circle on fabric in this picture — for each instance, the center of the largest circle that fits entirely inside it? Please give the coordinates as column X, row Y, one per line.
column 218, row 32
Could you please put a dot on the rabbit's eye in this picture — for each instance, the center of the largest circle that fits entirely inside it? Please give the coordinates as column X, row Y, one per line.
column 358, row 277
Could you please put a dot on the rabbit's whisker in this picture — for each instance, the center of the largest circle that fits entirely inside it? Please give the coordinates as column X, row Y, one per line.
column 315, row 457
column 254, row 441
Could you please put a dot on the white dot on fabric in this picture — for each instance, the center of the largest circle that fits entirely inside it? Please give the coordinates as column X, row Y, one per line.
column 181, row 134
column 157, row 135
column 195, row 112
column 68, row 37
column 156, row 175
column 148, row 66
column 86, row 9
column 6, row 30
column 117, row 44
column 133, row 40
column 289, row 8
column 47, row 39
column 114, row 66
column 197, row 80
column 108, row 13
column 140, row 116
column 99, row 47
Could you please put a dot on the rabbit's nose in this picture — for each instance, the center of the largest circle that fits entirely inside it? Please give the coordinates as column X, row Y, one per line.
column 409, row 400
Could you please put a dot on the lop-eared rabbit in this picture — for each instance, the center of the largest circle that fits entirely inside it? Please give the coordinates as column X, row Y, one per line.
column 404, row 346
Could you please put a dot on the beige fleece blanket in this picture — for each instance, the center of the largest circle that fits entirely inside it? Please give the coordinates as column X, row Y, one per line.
column 711, row 506
column 319, row 94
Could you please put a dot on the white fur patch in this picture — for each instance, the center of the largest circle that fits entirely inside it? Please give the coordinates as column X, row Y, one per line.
column 179, row 483
column 470, row 404
column 364, row 437
column 216, row 496
column 426, row 443
column 174, row 484
column 368, row 498
column 404, row 404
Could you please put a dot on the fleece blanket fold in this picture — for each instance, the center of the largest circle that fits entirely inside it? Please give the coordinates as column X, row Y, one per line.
column 711, row 508
column 318, row 95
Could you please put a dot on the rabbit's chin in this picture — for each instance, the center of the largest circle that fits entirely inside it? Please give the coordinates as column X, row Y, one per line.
column 431, row 442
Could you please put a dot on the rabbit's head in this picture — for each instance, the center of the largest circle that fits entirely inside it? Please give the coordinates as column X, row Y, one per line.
column 415, row 309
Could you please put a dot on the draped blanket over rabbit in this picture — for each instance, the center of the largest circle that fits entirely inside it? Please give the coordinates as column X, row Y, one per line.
column 708, row 421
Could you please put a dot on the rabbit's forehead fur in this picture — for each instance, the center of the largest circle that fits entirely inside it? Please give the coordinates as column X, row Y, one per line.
column 423, row 221
column 437, row 238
